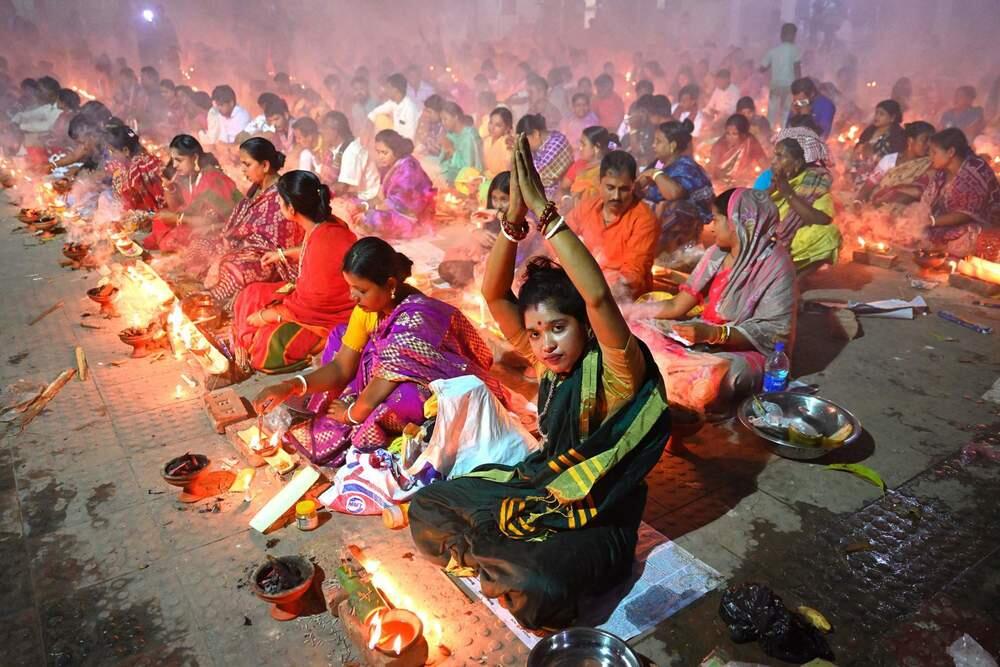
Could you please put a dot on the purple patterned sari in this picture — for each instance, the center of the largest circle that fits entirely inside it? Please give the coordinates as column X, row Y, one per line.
column 421, row 341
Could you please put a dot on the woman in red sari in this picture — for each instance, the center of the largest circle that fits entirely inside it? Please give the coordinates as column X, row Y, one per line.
column 255, row 228
column 199, row 197
column 135, row 174
column 737, row 157
column 277, row 329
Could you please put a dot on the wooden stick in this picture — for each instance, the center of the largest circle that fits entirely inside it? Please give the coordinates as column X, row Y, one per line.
column 50, row 392
column 81, row 364
column 45, row 314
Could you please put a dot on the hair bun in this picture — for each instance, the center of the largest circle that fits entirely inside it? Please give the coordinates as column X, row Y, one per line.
column 688, row 125
column 279, row 160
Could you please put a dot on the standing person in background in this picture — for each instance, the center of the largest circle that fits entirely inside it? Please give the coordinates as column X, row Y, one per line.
column 785, row 65
column 404, row 111
column 607, row 104
column 808, row 101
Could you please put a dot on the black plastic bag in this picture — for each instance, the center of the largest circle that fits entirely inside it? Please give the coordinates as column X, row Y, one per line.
column 753, row 611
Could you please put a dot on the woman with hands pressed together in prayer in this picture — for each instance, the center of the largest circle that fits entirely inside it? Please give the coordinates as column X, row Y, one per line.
column 563, row 523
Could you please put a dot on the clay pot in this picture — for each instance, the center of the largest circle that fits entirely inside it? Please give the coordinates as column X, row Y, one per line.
column 105, row 299
column 930, row 259
column 200, row 462
column 288, row 604
column 142, row 342
column 29, row 215
column 75, row 251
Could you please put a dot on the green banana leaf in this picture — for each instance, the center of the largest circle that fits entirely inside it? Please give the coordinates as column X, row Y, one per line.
column 858, row 470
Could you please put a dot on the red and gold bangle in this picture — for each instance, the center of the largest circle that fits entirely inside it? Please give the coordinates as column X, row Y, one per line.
column 549, row 215
column 514, row 233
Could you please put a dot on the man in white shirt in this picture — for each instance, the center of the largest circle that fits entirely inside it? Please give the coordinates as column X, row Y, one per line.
column 42, row 117
column 403, row 109
column 722, row 103
column 687, row 107
column 358, row 171
column 226, row 119
column 259, row 125
column 784, row 63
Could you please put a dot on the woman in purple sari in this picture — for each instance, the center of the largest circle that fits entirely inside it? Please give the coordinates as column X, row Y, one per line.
column 376, row 373
column 405, row 202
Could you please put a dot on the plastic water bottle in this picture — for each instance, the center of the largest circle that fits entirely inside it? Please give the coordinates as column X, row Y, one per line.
column 776, row 369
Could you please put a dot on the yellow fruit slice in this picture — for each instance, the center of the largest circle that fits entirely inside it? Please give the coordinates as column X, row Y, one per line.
column 816, row 619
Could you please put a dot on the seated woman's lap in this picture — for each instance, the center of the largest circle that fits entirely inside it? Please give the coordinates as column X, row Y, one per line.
column 541, row 582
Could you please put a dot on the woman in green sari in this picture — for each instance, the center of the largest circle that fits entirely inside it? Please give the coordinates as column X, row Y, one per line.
column 563, row 523
column 462, row 147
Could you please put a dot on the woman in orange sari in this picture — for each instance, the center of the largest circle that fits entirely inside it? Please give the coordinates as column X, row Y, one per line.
column 199, row 197
column 277, row 327
column 584, row 176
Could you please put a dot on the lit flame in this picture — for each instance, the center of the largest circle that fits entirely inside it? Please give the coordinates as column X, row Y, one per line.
column 862, row 242
column 952, row 265
column 852, row 133
column 397, row 645
column 385, row 583
column 375, row 633
column 178, row 392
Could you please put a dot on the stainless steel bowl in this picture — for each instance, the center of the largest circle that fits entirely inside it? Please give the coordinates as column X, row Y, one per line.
column 583, row 647
column 825, row 416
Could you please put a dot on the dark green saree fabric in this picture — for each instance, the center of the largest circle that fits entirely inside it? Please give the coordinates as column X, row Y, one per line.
column 561, row 524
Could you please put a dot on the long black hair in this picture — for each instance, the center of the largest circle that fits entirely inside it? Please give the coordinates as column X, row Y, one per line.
column 678, row 131
column 303, row 191
column 188, row 146
column 122, row 137
column 373, row 259
column 547, row 282
column 262, row 150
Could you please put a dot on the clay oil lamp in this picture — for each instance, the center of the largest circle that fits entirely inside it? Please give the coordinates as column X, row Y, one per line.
column 931, row 260
column 283, row 582
column 394, row 632
column 75, row 252
column 143, row 340
column 874, row 254
column 29, row 215
column 104, row 296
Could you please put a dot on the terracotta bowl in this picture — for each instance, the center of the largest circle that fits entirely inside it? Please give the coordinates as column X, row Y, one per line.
column 184, row 479
column 75, row 251
column 930, row 259
column 286, row 605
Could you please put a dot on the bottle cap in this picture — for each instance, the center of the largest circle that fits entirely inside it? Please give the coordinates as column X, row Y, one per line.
column 779, row 346
column 305, row 507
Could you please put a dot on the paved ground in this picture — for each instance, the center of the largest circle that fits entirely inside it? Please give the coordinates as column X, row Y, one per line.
column 103, row 566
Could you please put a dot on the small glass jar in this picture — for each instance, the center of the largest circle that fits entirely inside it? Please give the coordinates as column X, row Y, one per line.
column 306, row 517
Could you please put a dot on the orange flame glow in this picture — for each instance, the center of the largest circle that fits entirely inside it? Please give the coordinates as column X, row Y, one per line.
column 375, row 633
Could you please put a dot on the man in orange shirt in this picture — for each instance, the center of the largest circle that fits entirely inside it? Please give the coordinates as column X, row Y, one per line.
column 618, row 228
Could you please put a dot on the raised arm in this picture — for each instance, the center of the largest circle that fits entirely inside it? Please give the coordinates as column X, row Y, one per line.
column 499, row 276
column 606, row 319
